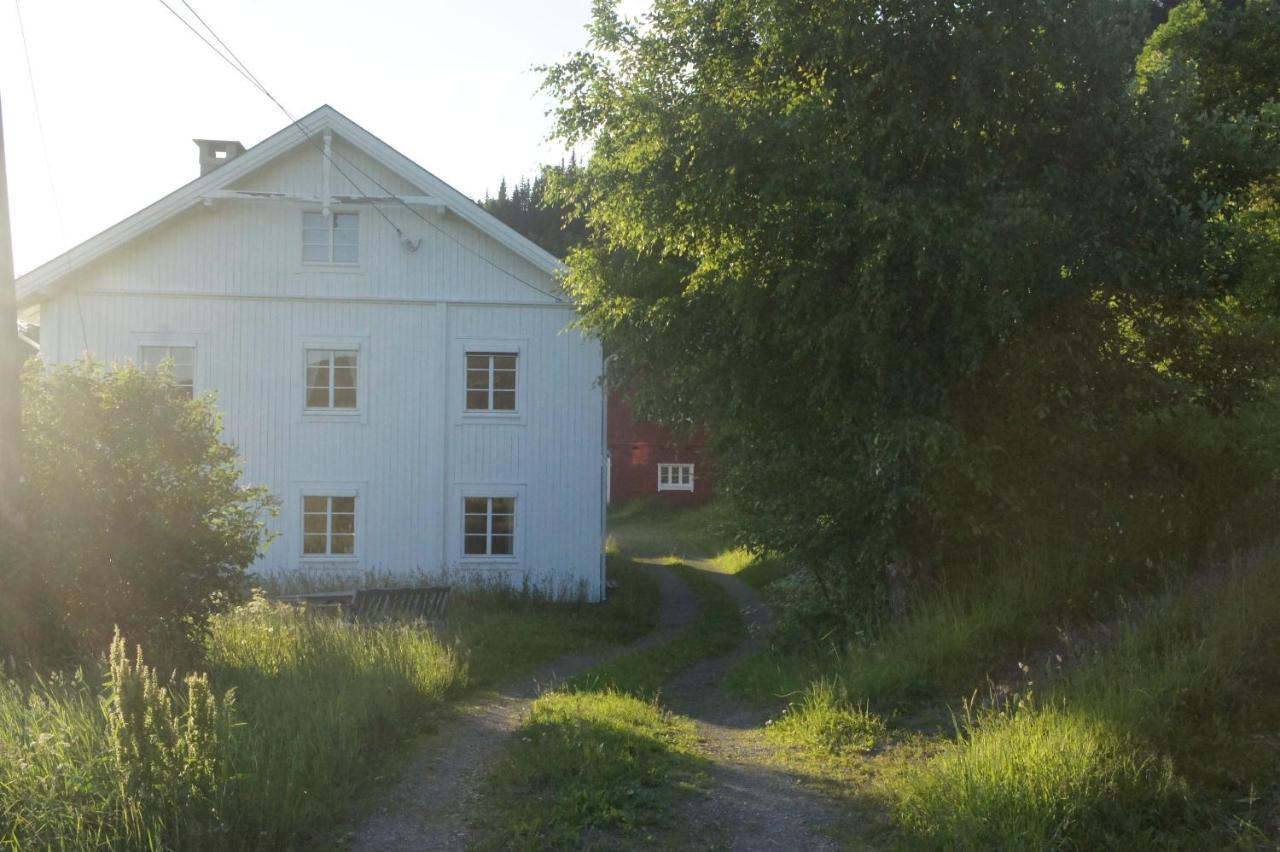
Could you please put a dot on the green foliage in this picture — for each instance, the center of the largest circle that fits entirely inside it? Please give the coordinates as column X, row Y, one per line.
column 528, row 210
column 321, row 707
column 1047, row 779
column 591, row 761
column 719, row 627
column 600, row 754
column 174, row 767
column 1155, row 741
column 905, row 260
column 136, row 516
column 825, row 721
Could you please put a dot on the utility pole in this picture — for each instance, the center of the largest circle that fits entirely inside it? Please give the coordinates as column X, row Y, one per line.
column 10, row 371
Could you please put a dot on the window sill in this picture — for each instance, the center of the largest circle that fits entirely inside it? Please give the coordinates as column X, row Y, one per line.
column 688, row 490
column 324, row 560
column 516, row 417
column 488, row 560
column 343, row 413
column 344, row 268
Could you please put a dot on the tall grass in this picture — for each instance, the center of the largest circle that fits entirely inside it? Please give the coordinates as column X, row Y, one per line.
column 1159, row 741
column 319, row 699
column 311, row 709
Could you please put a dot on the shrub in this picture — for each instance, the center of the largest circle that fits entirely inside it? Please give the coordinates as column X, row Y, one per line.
column 136, row 516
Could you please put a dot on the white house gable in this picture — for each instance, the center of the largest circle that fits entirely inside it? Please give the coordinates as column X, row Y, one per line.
column 399, row 384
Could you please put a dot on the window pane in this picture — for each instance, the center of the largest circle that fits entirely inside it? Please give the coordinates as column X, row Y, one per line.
column 478, row 362
column 344, row 377
column 504, row 379
column 504, row 362
column 344, row 545
column 313, row 544
column 313, row 220
column 477, row 400
column 474, row 525
column 315, row 504
column 317, row 377
column 317, row 237
column 504, row 505
column 504, row 400
column 317, row 397
column 344, row 523
column 315, row 254
column 346, row 221
column 475, row 505
column 186, row 391
column 344, row 358
column 314, row 524
column 478, row 379
column 473, row 545
column 344, row 505
column 502, row 545
column 344, row 398
column 319, row 357
column 346, row 254
column 503, row 525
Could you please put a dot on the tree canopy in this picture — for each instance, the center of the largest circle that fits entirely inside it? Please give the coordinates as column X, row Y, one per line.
column 926, row 267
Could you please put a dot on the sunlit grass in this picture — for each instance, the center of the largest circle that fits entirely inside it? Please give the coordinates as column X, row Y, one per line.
column 824, row 722
column 320, row 708
column 591, row 761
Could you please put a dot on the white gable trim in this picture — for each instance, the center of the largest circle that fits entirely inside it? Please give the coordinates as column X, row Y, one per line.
column 36, row 284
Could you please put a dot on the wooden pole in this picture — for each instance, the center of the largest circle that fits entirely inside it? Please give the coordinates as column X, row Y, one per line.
column 10, row 370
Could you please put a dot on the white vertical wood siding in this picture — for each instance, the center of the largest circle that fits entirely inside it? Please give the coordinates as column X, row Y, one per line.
column 230, row 278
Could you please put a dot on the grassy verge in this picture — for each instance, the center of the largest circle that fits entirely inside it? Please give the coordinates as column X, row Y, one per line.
column 600, row 758
column 317, row 707
column 1162, row 737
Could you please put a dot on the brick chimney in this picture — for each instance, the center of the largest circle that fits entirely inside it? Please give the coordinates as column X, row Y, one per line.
column 215, row 152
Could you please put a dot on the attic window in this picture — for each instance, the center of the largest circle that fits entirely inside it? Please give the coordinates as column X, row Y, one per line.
column 330, row 239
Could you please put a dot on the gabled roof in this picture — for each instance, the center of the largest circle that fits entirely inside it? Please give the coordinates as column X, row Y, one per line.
column 37, row 282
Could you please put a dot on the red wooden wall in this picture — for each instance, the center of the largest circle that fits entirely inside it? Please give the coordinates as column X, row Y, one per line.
column 637, row 447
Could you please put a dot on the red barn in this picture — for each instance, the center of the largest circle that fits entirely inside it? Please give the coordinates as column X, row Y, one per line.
column 646, row 459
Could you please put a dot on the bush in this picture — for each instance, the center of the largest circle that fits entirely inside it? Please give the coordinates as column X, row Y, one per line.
column 136, row 516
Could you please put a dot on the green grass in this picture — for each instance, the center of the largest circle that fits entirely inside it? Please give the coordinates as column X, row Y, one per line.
column 320, row 708
column 697, row 536
column 719, row 627
column 823, row 722
column 584, row 762
column 1047, row 779
column 1161, row 741
column 600, row 759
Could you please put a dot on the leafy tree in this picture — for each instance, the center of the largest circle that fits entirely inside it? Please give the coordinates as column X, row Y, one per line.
column 136, row 516
column 926, row 269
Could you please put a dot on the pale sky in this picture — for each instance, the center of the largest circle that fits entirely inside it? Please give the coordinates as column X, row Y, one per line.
column 123, row 88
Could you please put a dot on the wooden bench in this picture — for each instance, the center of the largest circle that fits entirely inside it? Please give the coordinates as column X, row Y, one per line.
column 429, row 604
column 409, row 604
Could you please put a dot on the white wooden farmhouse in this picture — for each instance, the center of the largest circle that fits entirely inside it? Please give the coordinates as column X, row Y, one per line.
column 392, row 361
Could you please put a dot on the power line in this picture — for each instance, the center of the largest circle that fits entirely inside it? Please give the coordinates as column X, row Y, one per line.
column 253, row 81
column 239, row 66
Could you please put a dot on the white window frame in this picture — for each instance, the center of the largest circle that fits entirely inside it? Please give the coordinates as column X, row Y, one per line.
column 188, row 340
column 678, row 476
column 457, row 523
column 489, row 514
column 491, row 372
column 360, row 345
column 330, row 242
column 462, row 347
column 301, row 491
column 142, row 362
